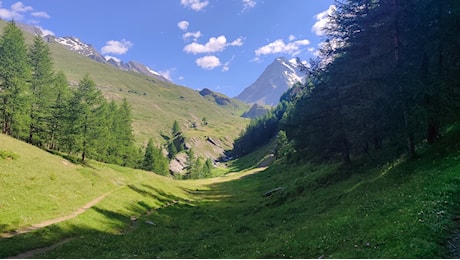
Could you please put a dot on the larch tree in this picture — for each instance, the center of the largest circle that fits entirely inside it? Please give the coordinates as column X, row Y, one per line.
column 41, row 85
column 14, row 75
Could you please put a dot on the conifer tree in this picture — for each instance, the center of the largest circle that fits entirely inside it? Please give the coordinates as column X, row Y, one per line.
column 175, row 128
column 41, row 90
column 147, row 163
column 14, row 74
column 82, row 121
column 154, row 160
column 58, row 114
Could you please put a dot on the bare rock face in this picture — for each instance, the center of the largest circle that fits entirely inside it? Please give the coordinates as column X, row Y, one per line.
column 278, row 77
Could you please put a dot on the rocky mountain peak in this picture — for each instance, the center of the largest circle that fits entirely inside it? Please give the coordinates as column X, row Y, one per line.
column 278, row 77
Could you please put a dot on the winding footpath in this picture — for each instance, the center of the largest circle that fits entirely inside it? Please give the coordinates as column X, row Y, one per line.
column 56, row 220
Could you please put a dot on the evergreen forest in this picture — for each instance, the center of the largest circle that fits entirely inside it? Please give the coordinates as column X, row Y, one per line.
column 386, row 79
column 38, row 106
column 361, row 160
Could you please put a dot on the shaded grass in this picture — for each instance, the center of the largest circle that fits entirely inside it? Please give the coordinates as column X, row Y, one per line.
column 400, row 210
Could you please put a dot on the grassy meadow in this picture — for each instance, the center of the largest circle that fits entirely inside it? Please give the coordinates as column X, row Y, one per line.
column 402, row 209
column 155, row 104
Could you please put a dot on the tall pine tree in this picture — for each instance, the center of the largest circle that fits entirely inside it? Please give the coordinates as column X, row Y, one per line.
column 14, row 74
column 41, row 91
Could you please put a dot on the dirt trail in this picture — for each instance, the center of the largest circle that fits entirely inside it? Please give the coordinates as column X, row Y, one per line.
column 59, row 219
column 31, row 253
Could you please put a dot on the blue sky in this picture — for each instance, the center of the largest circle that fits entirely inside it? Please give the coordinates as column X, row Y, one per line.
column 223, row 45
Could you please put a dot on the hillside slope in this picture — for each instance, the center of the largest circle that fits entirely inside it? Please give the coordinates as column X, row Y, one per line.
column 402, row 209
column 155, row 103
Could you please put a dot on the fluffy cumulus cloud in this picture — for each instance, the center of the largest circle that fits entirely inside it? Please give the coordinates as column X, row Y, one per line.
column 248, row 4
column 196, row 5
column 183, row 25
column 116, row 47
column 213, row 45
column 322, row 21
column 192, row 35
column 20, row 7
column 279, row 46
column 16, row 11
column 208, row 62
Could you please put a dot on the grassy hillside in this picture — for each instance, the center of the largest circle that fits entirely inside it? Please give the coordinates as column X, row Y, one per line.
column 155, row 104
column 403, row 209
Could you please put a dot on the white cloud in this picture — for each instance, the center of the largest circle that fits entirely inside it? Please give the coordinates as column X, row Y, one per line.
column 18, row 10
column 213, row 45
column 248, row 4
column 226, row 65
column 45, row 31
column 194, row 35
column 40, row 15
column 20, row 7
column 183, row 25
column 196, row 5
column 208, row 62
column 292, row 37
column 322, row 20
column 6, row 14
column 167, row 73
column 279, row 46
column 238, row 42
column 116, row 47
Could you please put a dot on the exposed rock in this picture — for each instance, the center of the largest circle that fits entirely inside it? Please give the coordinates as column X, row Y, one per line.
column 221, row 100
column 266, row 161
column 270, row 192
column 278, row 77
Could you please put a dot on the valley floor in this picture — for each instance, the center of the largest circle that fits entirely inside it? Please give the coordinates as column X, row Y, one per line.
column 403, row 209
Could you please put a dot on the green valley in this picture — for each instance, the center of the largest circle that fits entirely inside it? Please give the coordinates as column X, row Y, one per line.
column 329, row 211
column 360, row 160
column 155, row 104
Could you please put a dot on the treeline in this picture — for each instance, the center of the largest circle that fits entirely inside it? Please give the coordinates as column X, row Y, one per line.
column 387, row 78
column 38, row 106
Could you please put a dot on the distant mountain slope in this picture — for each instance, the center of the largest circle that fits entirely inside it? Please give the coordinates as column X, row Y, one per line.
column 220, row 99
column 278, row 77
column 155, row 103
column 75, row 44
column 256, row 111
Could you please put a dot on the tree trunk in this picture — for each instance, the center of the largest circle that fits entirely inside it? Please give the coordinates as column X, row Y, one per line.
column 433, row 130
column 397, row 52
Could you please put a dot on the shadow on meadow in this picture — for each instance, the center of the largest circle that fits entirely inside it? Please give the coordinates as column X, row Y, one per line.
column 165, row 225
column 366, row 215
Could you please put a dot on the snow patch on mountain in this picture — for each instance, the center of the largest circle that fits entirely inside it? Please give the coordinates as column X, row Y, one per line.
column 85, row 49
column 278, row 77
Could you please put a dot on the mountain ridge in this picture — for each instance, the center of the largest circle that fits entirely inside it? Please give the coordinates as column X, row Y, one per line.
column 74, row 43
column 278, row 77
column 155, row 103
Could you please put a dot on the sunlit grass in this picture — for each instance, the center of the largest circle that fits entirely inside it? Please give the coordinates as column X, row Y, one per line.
column 396, row 210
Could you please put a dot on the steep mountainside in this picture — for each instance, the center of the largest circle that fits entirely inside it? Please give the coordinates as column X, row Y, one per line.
column 278, row 77
column 220, row 99
column 256, row 111
column 155, row 103
column 75, row 44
